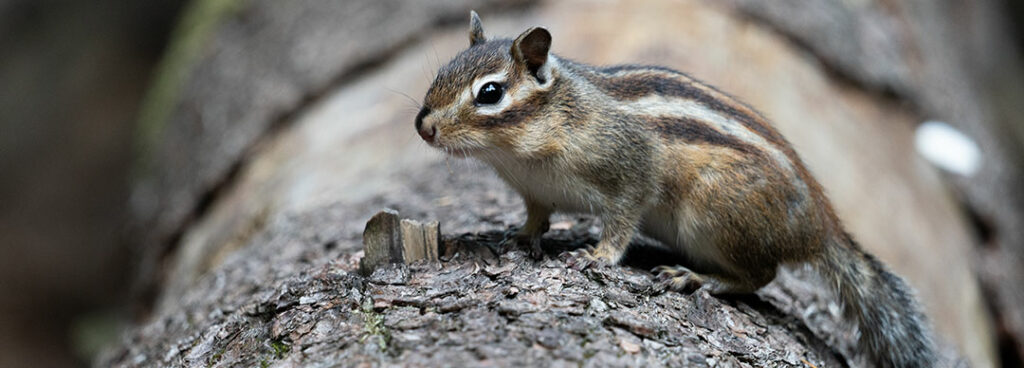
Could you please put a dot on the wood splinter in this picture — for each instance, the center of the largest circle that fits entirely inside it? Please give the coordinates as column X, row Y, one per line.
column 389, row 239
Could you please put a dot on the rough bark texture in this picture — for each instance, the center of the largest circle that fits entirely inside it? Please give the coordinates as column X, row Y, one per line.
column 295, row 298
column 289, row 130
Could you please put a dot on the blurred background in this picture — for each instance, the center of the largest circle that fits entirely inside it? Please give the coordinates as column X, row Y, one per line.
column 72, row 76
column 90, row 211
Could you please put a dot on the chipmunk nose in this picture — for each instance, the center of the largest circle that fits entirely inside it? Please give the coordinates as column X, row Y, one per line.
column 429, row 132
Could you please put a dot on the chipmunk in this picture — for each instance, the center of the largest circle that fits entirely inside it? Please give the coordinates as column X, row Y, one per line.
column 652, row 150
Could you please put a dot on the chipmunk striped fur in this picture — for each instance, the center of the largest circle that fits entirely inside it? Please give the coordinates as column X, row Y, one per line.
column 652, row 150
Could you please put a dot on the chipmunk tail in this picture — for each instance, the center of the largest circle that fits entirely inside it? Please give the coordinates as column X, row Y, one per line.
column 894, row 332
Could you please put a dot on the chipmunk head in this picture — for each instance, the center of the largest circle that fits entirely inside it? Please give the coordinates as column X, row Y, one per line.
column 491, row 95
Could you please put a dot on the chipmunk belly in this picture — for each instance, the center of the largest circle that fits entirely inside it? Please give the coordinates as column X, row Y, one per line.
column 550, row 186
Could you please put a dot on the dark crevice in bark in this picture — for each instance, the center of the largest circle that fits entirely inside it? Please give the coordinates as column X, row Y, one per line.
column 983, row 226
column 1006, row 341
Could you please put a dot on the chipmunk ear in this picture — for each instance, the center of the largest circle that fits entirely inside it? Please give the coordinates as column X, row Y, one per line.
column 531, row 49
column 476, row 29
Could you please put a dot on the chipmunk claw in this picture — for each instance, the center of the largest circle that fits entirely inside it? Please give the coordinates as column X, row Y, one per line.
column 516, row 240
column 581, row 259
column 677, row 278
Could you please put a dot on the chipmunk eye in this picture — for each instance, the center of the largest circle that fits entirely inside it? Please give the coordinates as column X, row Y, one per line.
column 490, row 93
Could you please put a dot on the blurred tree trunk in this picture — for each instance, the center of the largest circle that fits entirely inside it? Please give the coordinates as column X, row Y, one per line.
column 72, row 77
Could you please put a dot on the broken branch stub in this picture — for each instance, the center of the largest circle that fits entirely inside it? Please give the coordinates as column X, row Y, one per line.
column 388, row 239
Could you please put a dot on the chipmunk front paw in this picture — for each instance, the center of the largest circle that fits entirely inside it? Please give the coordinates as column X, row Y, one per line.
column 517, row 240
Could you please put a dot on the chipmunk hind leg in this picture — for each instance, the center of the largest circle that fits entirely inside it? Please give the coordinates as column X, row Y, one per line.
column 710, row 266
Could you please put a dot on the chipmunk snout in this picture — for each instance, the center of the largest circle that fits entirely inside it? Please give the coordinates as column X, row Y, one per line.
column 426, row 132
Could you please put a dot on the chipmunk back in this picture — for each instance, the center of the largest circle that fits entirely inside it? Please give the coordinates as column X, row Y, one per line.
column 652, row 150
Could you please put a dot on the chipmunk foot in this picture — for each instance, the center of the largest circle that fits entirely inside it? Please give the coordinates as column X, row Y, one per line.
column 678, row 278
